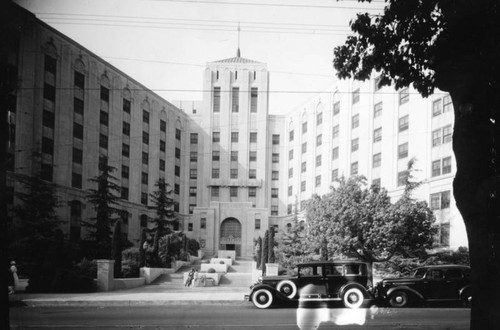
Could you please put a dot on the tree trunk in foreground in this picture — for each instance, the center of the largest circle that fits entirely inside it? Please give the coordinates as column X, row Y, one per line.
column 476, row 191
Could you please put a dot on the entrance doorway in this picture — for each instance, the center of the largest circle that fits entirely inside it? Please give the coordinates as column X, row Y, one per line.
column 230, row 235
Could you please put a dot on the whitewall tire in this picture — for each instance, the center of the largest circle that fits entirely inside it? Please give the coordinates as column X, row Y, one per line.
column 288, row 288
column 262, row 298
column 353, row 298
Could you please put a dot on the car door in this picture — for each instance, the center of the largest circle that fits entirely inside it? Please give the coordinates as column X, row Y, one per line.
column 334, row 279
column 437, row 286
column 310, row 281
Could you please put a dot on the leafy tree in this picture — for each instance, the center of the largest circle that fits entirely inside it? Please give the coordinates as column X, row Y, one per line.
column 104, row 199
column 33, row 229
column 164, row 205
column 265, row 252
column 361, row 222
column 271, row 256
column 453, row 46
column 291, row 248
column 324, row 249
column 116, row 252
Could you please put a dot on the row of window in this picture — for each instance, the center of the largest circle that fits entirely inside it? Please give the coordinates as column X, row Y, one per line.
column 235, row 98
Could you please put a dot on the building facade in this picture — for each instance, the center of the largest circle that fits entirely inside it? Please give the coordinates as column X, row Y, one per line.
column 235, row 170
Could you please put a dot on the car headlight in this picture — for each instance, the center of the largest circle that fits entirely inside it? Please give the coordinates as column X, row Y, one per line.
column 259, row 279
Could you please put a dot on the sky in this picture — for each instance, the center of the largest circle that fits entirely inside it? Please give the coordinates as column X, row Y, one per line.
column 166, row 44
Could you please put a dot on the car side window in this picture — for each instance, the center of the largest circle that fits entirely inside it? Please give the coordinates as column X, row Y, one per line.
column 352, row 269
column 311, row 271
column 454, row 273
column 332, row 270
column 434, row 274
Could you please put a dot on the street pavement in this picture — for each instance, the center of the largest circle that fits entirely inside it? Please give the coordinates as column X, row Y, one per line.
column 150, row 295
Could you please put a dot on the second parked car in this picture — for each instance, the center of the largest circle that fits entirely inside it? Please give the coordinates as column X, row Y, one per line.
column 427, row 284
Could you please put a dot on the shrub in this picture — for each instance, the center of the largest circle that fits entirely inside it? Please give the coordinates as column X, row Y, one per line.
column 211, row 270
column 87, row 267
column 221, row 262
column 131, row 261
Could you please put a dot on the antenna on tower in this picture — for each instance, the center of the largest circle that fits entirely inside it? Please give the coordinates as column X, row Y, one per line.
column 238, row 52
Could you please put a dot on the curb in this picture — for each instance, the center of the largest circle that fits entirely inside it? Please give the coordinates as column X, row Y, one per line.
column 122, row 303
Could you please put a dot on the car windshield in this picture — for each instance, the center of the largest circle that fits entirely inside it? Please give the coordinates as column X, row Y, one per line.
column 419, row 273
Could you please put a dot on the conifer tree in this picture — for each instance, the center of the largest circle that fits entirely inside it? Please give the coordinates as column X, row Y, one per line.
column 117, row 248
column 164, row 205
column 271, row 257
column 265, row 252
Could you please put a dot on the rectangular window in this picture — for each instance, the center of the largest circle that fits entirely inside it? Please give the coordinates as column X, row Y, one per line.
column 436, row 137
column 355, row 96
column 46, row 172
column 190, row 226
column 234, row 156
column 203, row 223
column 404, row 96
column 403, row 123
column 50, row 64
column 252, row 173
column 335, row 133
column 253, row 99
column 126, row 129
column 445, row 199
column 125, row 150
column 233, row 191
column 104, row 94
column 216, row 99
column 76, row 180
column 145, row 158
column 78, row 106
column 215, row 173
column 214, row 192
column 162, row 165
column 440, row 200
column 354, row 168
column 290, row 136
column 124, row 193
column 275, row 175
column 336, row 108
column 236, row 99
column 318, row 180
column 335, row 174
column 177, row 153
column 48, row 119
column 376, row 182
column 104, row 118
column 447, row 104
column 253, row 156
column 126, row 106
column 125, row 171
column 144, row 198
column 304, row 147
column 177, row 134
column 304, row 127
column 446, row 165
column 257, row 224
column 163, row 126
column 302, row 186
column 253, row 137
column 234, row 173
column 447, row 134
column 377, row 160
column 49, row 92
column 163, row 145
column 193, row 173
column 319, row 140
column 377, row 110
column 194, row 138
column 216, row 137
column 319, row 118
column 145, row 116
column 276, row 139
column 275, row 158
column 290, row 172
column 274, row 209
column 354, row 144
column 402, row 178
column 77, row 156
column 103, row 141
column 335, row 153
column 377, row 135
column 355, row 121
column 403, row 150
column 193, row 156
column 252, row 191
column 290, row 154
column 177, row 170
column 234, row 137
column 144, row 178
column 274, row 192
column 318, row 160
column 145, row 137
column 303, row 167
column 290, row 190
column 436, row 107
column 436, row 168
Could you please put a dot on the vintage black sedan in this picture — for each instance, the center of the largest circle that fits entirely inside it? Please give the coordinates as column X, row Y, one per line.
column 322, row 281
column 442, row 283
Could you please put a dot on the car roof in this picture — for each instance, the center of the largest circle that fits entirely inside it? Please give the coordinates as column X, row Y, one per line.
column 443, row 266
column 332, row 262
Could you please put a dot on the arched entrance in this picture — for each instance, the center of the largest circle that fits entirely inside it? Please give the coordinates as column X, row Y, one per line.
column 230, row 235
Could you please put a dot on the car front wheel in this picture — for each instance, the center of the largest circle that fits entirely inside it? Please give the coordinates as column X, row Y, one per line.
column 353, row 298
column 262, row 298
column 398, row 299
column 288, row 288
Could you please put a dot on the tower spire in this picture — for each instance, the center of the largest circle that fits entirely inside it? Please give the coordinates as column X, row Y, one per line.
column 238, row 53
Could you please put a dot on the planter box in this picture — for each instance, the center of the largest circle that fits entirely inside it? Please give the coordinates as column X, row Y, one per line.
column 226, row 253
column 227, row 261
column 219, row 268
column 272, row 269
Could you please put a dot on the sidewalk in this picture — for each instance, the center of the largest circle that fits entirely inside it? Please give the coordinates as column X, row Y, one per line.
column 149, row 295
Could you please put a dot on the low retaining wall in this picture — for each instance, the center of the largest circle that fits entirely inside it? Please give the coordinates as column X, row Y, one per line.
column 227, row 261
column 128, row 283
column 219, row 268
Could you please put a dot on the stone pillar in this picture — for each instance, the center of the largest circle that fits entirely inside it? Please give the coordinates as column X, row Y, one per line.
column 105, row 274
column 272, row 269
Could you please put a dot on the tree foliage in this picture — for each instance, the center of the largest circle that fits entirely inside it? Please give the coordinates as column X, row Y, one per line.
column 361, row 222
column 166, row 218
column 292, row 247
column 265, row 252
column 117, row 248
column 104, row 198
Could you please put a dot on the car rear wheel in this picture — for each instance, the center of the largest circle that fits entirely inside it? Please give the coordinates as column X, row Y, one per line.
column 288, row 288
column 398, row 299
column 262, row 298
column 353, row 298
column 467, row 298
